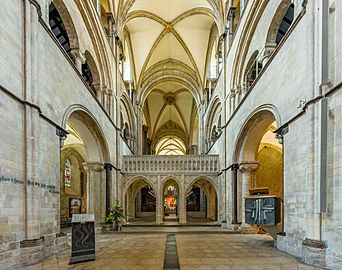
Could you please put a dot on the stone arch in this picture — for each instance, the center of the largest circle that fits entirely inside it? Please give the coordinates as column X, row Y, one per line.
column 179, row 211
column 165, row 71
column 167, row 178
column 252, row 121
column 131, row 190
column 210, row 189
column 68, row 23
column 213, row 50
column 271, row 37
column 86, row 130
column 94, row 81
column 139, row 177
column 213, row 115
column 202, row 177
column 96, row 135
column 126, row 106
column 257, row 129
column 252, row 69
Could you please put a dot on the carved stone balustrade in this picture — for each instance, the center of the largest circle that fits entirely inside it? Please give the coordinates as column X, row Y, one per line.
column 169, row 164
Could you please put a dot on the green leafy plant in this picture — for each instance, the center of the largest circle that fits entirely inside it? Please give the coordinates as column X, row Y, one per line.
column 117, row 212
column 109, row 219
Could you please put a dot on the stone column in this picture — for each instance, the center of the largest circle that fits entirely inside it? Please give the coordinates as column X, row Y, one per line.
column 31, row 126
column 231, row 16
column 232, row 102
column 182, row 202
column 139, row 130
column 238, row 95
column 159, row 209
column 248, row 169
column 110, row 20
column 95, row 192
column 269, row 48
column 98, row 91
column 201, row 132
column 159, row 204
column 78, row 58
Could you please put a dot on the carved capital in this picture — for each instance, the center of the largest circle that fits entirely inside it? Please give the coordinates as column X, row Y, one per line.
column 249, row 166
column 93, row 166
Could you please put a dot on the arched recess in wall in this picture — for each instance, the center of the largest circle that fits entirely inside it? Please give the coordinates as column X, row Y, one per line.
column 83, row 154
column 63, row 27
column 140, row 200
column 213, row 123
column 128, row 123
column 91, row 73
column 280, row 24
column 201, row 201
column 260, row 158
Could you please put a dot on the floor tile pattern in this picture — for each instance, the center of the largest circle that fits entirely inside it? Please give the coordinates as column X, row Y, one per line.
column 195, row 251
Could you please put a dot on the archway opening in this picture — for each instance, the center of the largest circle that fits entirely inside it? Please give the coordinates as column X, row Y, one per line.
column 201, row 202
column 73, row 185
column 83, row 179
column 170, row 201
column 261, row 164
column 140, row 202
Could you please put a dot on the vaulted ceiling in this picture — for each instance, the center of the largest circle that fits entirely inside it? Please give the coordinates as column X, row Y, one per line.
column 169, row 31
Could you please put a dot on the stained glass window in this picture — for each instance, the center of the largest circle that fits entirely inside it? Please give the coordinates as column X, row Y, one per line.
column 67, row 173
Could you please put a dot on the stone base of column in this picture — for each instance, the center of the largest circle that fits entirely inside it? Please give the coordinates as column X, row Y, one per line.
column 33, row 251
column 314, row 252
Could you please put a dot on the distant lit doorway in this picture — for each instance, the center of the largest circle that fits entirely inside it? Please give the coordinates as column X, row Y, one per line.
column 171, row 201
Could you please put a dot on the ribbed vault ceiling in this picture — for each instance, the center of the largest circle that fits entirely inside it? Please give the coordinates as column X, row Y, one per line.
column 174, row 31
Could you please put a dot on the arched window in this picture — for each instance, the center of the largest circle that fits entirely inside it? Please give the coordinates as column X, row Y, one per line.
column 214, row 133
column 126, row 132
column 58, row 28
column 127, row 68
column 285, row 24
column 253, row 68
column 213, row 63
column 67, row 173
column 90, row 72
column 86, row 74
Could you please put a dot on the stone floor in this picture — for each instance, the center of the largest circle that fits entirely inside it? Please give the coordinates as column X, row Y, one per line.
column 195, row 251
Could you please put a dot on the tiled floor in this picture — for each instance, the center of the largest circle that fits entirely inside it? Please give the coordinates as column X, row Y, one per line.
column 221, row 252
column 195, row 251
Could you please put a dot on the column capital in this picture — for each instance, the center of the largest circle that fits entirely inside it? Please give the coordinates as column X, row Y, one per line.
column 93, row 166
column 77, row 54
column 248, row 166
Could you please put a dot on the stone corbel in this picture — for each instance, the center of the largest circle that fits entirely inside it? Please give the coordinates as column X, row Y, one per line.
column 62, row 134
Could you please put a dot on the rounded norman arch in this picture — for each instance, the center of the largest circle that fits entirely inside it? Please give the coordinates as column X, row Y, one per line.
column 256, row 123
column 95, row 134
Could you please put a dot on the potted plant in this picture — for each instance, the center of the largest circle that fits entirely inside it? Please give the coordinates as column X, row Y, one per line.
column 107, row 225
column 118, row 215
